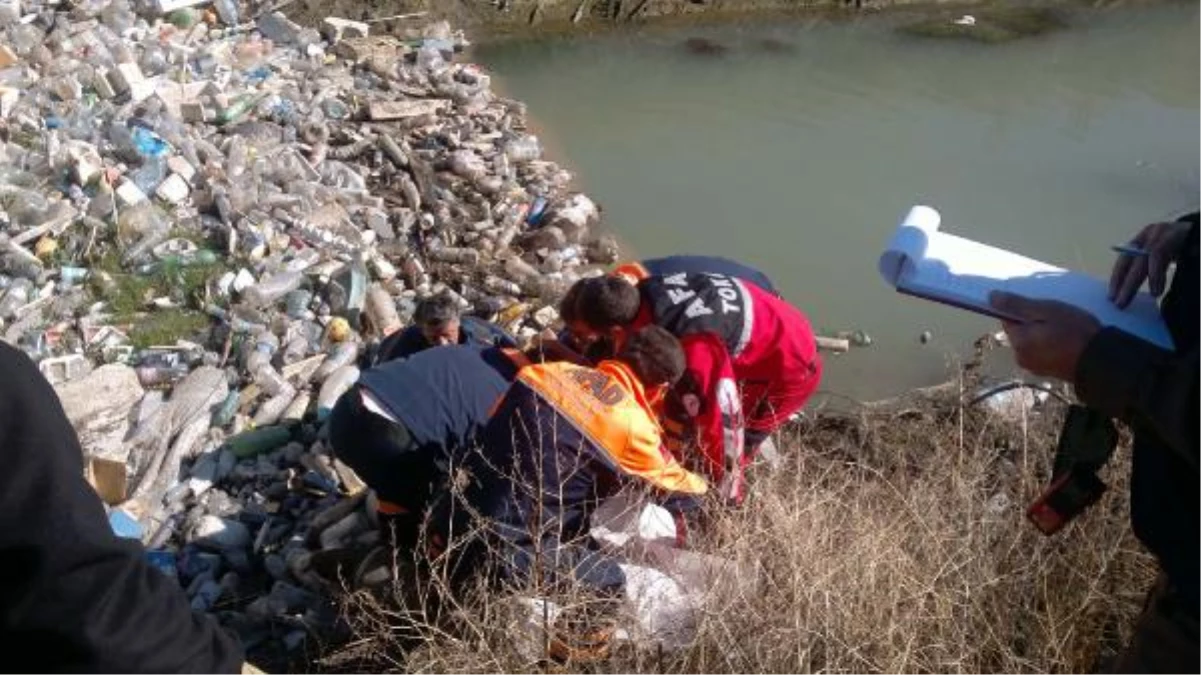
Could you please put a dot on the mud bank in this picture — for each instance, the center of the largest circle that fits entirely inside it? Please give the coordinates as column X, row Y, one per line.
column 492, row 20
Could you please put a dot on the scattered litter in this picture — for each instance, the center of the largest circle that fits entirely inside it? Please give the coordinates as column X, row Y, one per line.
column 210, row 214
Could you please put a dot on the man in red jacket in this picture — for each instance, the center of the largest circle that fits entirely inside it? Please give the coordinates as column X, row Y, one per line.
column 752, row 357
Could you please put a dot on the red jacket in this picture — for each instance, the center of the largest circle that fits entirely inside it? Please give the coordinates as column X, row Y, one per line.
column 752, row 361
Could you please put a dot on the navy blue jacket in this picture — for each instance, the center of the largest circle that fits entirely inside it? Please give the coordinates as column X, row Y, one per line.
column 472, row 331
column 697, row 264
column 443, row 396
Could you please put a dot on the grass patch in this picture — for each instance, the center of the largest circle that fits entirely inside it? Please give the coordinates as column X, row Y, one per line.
column 128, row 296
column 991, row 26
column 165, row 326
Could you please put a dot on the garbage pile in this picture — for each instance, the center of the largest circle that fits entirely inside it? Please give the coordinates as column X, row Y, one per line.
column 208, row 214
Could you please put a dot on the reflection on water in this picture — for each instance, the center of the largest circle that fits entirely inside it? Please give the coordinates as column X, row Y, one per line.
column 801, row 158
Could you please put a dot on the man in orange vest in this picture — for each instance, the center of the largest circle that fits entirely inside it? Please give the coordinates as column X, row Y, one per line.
column 564, row 438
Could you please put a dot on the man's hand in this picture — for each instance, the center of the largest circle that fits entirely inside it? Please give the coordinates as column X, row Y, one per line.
column 1163, row 243
column 1050, row 336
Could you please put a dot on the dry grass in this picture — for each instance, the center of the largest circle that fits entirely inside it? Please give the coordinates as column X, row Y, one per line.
column 892, row 540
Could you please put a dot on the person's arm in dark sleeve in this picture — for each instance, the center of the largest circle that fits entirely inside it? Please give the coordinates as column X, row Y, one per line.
column 1142, row 385
column 402, row 344
column 75, row 597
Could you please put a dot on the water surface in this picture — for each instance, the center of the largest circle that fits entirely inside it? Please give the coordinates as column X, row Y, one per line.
column 801, row 160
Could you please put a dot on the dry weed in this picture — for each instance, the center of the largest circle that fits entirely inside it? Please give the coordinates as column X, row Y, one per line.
column 890, row 540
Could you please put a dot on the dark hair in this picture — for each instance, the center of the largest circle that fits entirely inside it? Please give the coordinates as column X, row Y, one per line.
column 605, row 302
column 436, row 310
column 654, row 355
column 567, row 305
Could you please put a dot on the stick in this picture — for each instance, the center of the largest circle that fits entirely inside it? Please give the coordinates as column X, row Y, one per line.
column 637, row 9
column 579, row 11
column 397, row 17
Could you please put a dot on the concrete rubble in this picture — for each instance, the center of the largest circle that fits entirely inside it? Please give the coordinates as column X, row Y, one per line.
column 208, row 216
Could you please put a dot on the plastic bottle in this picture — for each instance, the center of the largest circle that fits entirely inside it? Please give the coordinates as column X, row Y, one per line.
column 295, row 350
column 17, row 295
column 257, row 441
column 270, row 290
column 523, row 148
column 227, row 10
column 429, row 59
column 263, row 348
column 229, row 407
column 335, row 385
column 296, row 409
column 343, row 354
column 381, row 311
column 270, row 381
column 273, row 408
column 297, row 303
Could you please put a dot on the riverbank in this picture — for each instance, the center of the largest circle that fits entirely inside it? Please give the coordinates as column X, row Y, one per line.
column 487, row 21
column 890, row 539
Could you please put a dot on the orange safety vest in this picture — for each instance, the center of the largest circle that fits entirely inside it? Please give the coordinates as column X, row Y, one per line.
column 609, row 406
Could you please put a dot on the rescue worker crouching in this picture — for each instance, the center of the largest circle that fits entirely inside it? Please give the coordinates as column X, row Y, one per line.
column 403, row 423
column 752, row 358
column 563, row 439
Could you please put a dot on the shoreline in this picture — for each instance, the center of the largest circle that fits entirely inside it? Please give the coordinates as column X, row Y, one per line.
column 484, row 23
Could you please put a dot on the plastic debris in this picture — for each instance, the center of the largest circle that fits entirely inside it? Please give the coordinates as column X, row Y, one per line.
column 210, row 213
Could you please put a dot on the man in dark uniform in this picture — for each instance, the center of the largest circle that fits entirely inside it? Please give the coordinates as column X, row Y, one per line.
column 1153, row 390
column 405, row 421
column 437, row 322
column 695, row 264
column 74, row 597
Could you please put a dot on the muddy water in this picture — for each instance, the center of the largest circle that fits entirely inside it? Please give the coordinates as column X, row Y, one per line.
column 799, row 148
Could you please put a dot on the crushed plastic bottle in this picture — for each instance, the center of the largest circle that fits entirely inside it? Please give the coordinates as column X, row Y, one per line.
column 269, row 291
column 338, row 382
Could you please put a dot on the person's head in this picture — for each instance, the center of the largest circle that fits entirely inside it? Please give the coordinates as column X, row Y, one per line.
column 654, row 355
column 438, row 319
column 601, row 307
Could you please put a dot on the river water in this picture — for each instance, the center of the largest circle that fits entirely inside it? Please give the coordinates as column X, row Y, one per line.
column 801, row 159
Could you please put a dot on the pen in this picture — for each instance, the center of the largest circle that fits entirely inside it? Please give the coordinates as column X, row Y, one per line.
column 1129, row 250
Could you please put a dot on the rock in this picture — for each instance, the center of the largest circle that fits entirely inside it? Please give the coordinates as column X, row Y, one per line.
column 221, row 534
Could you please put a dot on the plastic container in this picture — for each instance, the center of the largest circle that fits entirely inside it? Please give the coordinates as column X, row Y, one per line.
column 342, row 354
column 381, row 311
column 270, row 290
column 262, row 350
column 523, row 149
column 338, row 382
column 257, row 441
column 273, row 408
column 270, row 381
column 17, row 295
